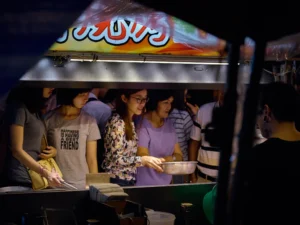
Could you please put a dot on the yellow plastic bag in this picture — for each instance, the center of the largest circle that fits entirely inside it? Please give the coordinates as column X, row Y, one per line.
column 39, row 182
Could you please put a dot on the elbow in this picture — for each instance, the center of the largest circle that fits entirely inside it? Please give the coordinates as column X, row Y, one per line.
column 92, row 161
column 15, row 152
column 178, row 156
column 141, row 154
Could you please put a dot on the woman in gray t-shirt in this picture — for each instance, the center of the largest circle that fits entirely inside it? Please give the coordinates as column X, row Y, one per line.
column 74, row 133
column 24, row 128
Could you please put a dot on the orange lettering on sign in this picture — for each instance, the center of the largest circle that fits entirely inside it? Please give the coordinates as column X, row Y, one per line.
column 118, row 32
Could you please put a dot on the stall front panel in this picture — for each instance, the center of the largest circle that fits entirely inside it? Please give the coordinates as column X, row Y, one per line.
column 132, row 75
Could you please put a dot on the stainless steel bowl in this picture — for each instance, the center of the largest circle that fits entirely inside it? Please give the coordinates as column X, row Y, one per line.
column 179, row 168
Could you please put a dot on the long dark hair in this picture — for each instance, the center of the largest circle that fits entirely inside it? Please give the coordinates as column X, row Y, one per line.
column 32, row 98
column 122, row 110
column 179, row 100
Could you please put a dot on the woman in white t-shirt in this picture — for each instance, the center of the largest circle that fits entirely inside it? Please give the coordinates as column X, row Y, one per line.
column 74, row 133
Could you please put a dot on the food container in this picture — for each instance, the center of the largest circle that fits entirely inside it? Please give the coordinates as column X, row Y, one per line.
column 160, row 218
column 179, row 168
column 96, row 178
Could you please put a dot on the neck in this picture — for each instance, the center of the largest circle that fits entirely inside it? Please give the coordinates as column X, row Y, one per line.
column 285, row 131
column 96, row 92
column 67, row 110
column 220, row 103
column 129, row 116
column 155, row 119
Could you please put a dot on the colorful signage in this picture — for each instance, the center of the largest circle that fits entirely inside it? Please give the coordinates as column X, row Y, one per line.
column 128, row 36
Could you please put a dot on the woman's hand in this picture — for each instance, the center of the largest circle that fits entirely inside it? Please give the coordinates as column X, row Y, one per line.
column 48, row 153
column 153, row 162
column 193, row 108
column 53, row 178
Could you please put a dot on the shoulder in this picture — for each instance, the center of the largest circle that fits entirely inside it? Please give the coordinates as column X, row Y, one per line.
column 97, row 104
column 15, row 110
column 184, row 114
column 175, row 114
column 142, row 122
column 87, row 117
column 116, row 120
column 16, row 106
column 266, row 147
column 104, row 106
column 49, row 114
column 169, row 123
column 267, row 143
column 207, row 106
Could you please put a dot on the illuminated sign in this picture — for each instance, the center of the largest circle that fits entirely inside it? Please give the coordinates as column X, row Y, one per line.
column 117, row 32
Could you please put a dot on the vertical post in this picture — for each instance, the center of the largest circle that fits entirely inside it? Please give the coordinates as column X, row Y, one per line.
column 246, row 134
column 228, row 125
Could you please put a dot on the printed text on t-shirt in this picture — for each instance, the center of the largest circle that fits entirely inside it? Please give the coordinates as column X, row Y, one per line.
column 69, row 139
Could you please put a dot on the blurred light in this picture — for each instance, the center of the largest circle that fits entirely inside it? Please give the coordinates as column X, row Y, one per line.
column 149, row 61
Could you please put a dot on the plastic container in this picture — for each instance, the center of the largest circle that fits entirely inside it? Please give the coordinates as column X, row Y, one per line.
column 160, row 218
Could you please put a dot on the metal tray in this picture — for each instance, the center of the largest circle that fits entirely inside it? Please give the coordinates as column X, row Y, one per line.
column 179, row 168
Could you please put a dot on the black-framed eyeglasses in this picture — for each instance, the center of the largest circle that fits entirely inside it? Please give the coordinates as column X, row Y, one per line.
column 141, row 100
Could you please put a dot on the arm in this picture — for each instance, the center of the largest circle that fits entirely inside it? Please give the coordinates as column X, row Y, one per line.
column 193, row 152
column 49, row 152
column 91, row 156
column 187, row 126
column 193, row 109
column 193, row 149
column 115, row 138
column 17, row 134
column 149, row 161
column 142, row 151
column 177, row 154
column 195, row 141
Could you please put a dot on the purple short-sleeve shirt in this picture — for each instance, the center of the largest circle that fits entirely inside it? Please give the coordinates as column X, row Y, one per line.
column 160, row 143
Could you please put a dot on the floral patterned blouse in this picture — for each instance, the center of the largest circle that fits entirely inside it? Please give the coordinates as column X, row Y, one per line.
column 120, row 155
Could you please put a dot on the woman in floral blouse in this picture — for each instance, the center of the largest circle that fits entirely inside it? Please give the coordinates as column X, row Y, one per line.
column 120, row 140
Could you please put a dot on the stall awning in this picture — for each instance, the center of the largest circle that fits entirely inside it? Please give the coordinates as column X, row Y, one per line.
column 119, row 27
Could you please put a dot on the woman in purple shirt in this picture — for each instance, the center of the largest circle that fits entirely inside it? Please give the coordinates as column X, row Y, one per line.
column 157, row 137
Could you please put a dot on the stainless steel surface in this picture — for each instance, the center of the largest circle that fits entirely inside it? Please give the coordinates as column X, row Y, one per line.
column 69, row 186
column 132, row 75
column 141, row 58
column 14, row 189
column 179, row 168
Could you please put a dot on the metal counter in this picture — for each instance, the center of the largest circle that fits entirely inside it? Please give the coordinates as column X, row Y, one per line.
column 159, row 198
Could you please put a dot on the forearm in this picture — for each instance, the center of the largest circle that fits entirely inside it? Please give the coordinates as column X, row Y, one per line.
column 93, row 166
column 193, row 150
column 169, row 158
column 24, row 158
column 177, row 157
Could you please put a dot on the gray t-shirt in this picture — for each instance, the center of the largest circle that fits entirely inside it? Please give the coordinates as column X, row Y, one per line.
column 34, row 129
column 70, row 138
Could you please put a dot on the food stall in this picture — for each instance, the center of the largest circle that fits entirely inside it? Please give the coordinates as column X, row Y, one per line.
column 124, row 52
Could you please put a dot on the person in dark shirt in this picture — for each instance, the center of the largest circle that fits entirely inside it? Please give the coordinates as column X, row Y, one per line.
column 272, row 185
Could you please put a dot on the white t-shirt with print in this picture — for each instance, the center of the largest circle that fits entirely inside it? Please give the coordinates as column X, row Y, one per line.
column 70, row 138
